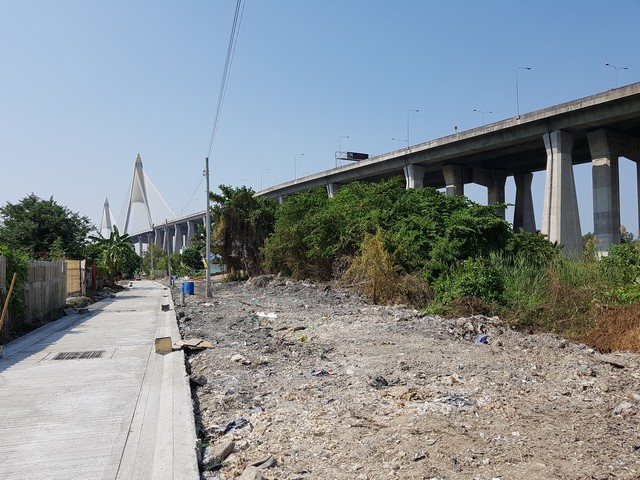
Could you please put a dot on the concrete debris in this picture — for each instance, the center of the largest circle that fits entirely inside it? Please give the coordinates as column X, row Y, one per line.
column 251, row 473
column 241, row 359
column 406, row 394
column 214, row 455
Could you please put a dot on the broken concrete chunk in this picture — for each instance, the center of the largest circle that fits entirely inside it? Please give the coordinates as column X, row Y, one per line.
column 241, row 359
column 622, row 408
column 199, row 380
column 214, row 455
column 251, row 473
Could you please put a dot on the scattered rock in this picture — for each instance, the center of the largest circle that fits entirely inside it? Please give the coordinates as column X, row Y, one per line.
column 241, row 359
column 402, row 384
column 623, row 408
column 251, row 473
column 199, row 380
column 214, row 455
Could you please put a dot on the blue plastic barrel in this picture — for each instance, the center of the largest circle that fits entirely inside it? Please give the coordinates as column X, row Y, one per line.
column 188, row 288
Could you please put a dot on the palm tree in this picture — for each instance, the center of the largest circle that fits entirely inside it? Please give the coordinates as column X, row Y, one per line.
column 117, row 254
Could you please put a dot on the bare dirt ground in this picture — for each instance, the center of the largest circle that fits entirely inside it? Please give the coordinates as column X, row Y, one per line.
column 334, row 387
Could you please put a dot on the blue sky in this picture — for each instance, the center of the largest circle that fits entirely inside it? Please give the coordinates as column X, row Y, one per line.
column 86, row 85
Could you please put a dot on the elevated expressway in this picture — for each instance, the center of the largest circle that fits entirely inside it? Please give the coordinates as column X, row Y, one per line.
column 597, row 129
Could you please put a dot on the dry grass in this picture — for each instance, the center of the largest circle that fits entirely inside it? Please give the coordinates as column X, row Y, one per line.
column 617, row 329
column 374, row 274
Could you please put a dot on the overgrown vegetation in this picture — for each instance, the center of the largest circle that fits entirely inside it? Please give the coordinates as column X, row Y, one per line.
column 116, row 256
column 242, row 223
column 424, row 248
column 18, row 263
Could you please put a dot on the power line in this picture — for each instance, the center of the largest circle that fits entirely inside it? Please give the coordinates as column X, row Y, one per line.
column 192, row 194
column 235, row 30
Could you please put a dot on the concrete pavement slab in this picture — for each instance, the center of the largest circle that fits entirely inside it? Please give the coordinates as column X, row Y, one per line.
column 87, row 397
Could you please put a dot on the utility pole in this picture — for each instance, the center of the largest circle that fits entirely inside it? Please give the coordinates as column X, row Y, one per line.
column 166, row 235
column 208, row 233
column 153, row 243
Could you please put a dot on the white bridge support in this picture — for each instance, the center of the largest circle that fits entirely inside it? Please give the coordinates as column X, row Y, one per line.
column 524, row 216
column 606, row 147
column 560, row 216
column 138, row 195
column 106, row 222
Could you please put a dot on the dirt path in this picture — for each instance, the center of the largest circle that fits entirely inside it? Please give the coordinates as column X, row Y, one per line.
column 336, row 388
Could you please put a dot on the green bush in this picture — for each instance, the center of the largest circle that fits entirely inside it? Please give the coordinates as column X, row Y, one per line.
column 17, row 262
column 470, row 278
column 621, row 269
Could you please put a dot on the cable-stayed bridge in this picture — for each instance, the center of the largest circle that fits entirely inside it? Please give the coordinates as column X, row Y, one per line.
column 149, row 219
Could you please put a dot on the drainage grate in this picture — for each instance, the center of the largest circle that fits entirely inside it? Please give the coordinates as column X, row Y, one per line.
column 78, row 355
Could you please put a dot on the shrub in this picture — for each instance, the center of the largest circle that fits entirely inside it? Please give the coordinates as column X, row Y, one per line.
column 470, row 278
column 374, row 274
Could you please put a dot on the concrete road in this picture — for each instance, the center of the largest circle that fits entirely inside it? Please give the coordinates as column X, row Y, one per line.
column 87, row 397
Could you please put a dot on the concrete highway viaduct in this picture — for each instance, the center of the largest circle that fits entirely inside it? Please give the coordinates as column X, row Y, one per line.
column 597, row 129
column 171, row 235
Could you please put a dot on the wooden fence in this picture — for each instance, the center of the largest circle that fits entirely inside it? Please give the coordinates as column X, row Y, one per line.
column 76, row 277
column 45, row 291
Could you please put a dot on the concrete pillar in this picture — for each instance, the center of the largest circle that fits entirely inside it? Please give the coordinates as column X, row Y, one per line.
column 495, row 194
column 638, row 190
column 280, row 199
column 332, row 188
column 560, row 218
column 178, row 240
column 453, row 179
column 606, row 190
column 414, row 176
column 191, row 231
column 159, row 236
column 524, row 216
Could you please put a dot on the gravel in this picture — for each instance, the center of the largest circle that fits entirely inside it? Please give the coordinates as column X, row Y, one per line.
column 329, row 386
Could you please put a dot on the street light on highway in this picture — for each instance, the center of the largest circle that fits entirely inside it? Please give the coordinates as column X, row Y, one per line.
column 295, row 165
column 482, row 112
column 409, row 111
column 400, row 142
column 616, row 69
column 517, row 91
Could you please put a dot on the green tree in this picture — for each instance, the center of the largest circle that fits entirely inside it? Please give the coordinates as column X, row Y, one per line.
column 191, row 258
column 156, row 255
column 35, row 225
column 117, row 256
column 242, row 223
column 302, row 226
column 472, row 232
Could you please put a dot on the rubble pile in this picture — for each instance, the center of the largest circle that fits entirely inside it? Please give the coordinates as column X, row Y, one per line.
column 307, row 381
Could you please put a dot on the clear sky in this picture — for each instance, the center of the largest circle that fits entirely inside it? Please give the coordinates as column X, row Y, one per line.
column 86, row 85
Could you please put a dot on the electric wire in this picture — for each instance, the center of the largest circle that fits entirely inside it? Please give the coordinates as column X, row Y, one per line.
column 194, row 191
column 235, row 30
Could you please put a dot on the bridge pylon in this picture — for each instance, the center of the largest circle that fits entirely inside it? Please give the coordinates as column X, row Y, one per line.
column 106, row 223
column 138, row 194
